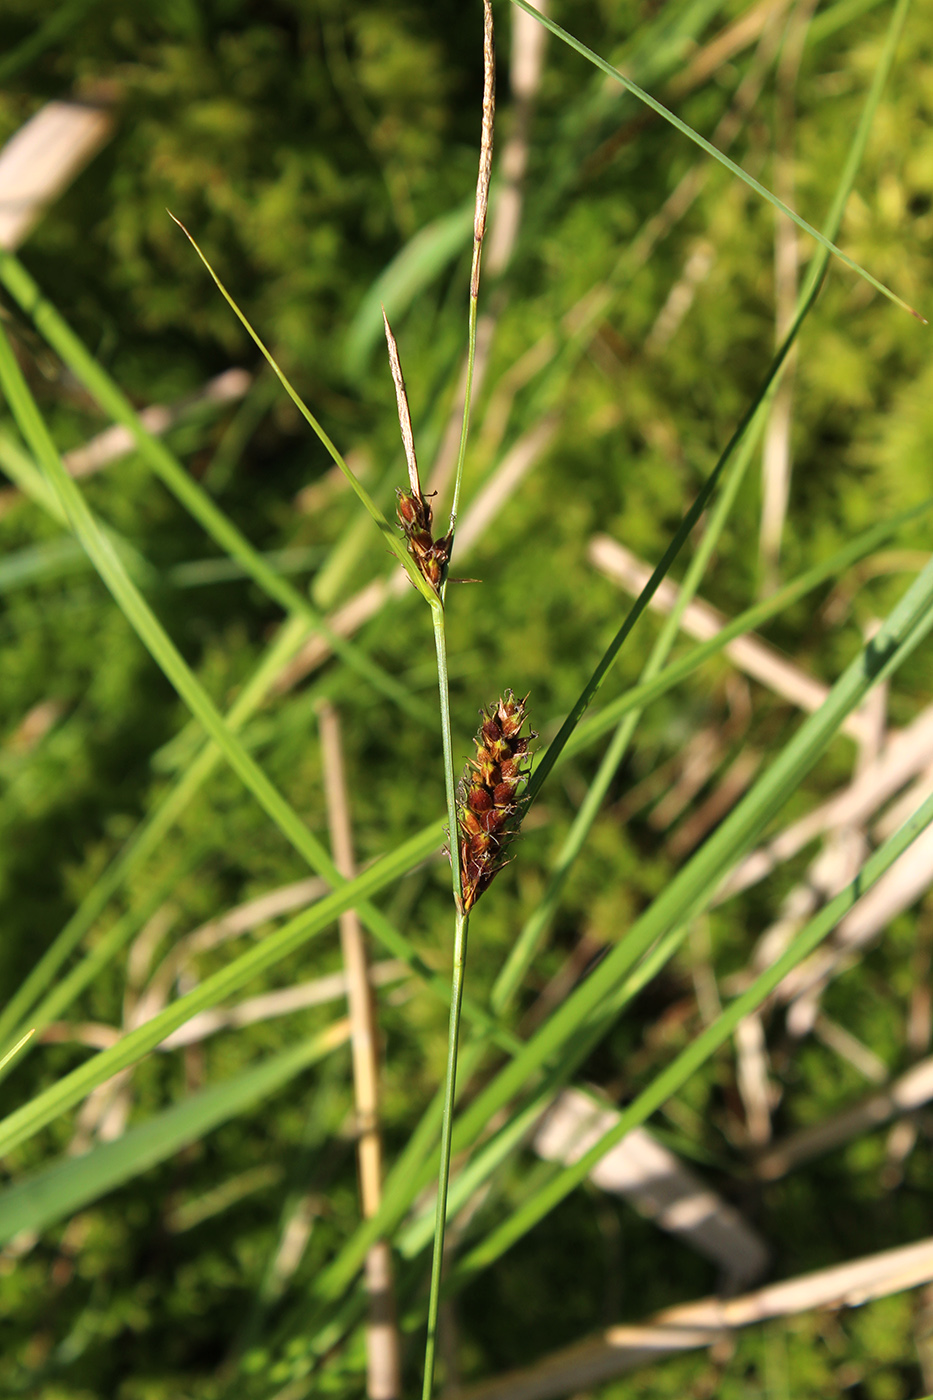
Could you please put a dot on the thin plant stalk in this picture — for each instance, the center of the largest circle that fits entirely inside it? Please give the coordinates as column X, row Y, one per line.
column 461, row 928
column 443, row 1175
column 462, row 924
column 479, row 233
column 711, row 150
column 382, row 1341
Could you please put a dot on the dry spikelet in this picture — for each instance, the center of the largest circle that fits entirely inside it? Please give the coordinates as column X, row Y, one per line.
column 485, row 153
column 414, row 509
column 490, row 803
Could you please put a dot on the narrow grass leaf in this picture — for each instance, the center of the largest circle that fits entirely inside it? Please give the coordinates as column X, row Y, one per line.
column 698, row 1051
column 711, row 150
column 70, row 1183
column 27, row 1120
column 389, row 533
column 189, row 493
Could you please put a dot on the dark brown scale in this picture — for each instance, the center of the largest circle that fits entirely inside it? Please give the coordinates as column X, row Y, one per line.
column 504, row 794
column 490, row 805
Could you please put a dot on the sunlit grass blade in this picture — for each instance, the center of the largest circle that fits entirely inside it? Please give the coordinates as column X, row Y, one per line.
column 14, row 1050
column 533, row 931
column 24, row 1122
column 169, row 658
column 711, row 150
column 144, row 841
column 187, row 491
column 389, row 533
column 693, row 887
column 669, row 1080
column 70, row 1183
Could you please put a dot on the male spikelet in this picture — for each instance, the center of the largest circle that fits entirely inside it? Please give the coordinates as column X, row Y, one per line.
column 414, row 509
column 490, row 805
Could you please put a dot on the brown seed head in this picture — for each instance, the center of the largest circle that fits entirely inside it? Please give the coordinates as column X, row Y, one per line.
column 491, row 806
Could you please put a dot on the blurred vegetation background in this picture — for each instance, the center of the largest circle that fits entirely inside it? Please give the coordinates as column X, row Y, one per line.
column 324, row 156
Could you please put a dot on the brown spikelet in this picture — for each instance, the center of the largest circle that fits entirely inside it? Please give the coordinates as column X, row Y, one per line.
column 490, row 800
column 414, row 509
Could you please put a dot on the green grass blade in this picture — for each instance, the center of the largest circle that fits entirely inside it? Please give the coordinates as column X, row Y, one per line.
column 711, row 150
column 24, row 1122
column 70, row 1183
column 389, row 533
column 147, row 837
column 698, row 1051
column 183, row 486
column 412, row 270
column 695, row 884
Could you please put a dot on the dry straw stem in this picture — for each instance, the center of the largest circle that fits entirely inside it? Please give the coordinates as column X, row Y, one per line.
column 40, row 161
column 655, row 1183
column 117, row 441
column 485, row 150
column 528, row 44
column 690, row 1326
column 404, row 412
column 756, row 658
column 479, row 230
column 906, row 753
column 906, row 1094
column 382, row 1342
column 265, row 1007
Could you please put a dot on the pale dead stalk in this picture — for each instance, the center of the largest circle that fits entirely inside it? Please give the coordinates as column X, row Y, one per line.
column 753, row 1078
column 690, row 1326
column 906, row 753
column 382, row 1341
column 242, row 919
column 41, row 160
column 281, row 1003
column 485, row 150
column 755, row 657
column 906, row 1094
column 265, row 1007
column 528, row 44
column 656, row 1184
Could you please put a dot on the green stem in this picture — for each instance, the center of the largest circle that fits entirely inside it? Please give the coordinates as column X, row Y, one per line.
column 440, row 642
column 443, row 1175
column 456, row 1000
column 465, row 426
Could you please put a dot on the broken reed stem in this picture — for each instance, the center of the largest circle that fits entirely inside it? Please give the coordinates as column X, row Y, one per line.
column 479, row 233
column 382, row 1341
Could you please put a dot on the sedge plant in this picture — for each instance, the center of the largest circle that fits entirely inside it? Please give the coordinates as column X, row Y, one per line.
column 523, row 1068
